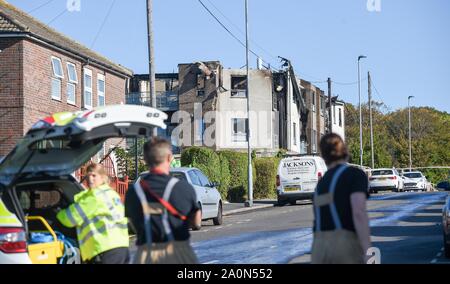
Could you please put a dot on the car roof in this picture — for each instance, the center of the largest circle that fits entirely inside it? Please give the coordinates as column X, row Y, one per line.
column 412, row 173
column 383, row 169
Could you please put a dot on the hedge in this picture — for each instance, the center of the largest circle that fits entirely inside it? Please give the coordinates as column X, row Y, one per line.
column 229, row 168
column 210, row 164
column 265, row 182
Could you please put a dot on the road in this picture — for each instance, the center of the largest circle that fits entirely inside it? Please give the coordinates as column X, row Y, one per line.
column 406, row 227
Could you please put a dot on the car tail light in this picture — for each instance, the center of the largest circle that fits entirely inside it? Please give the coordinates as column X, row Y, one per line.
column 278, row 180
column 13, row 240
column 319, row 175
column 394, row 178
column 372, row 178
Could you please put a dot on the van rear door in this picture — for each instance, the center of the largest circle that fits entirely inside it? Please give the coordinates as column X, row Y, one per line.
column 298, row 174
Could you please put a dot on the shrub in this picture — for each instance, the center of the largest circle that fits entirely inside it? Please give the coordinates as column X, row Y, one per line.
column 265, row 182
column 206, row 160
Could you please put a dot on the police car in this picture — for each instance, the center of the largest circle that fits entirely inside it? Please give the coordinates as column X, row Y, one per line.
column 298, row 177
column 36, row 177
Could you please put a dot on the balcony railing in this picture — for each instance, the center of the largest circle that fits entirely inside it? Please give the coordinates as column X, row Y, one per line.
column 165, row 101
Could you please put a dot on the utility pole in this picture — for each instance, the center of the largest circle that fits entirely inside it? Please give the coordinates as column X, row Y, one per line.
column 249, row 203
column 360, row 113
column 370, row 117
column 409, row 123
column 330, row 118
column 151, row 58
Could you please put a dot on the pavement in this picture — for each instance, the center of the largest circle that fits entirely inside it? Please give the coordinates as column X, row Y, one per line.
column 236, row 208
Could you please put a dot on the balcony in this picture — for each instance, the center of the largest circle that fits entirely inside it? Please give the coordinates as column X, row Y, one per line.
column 165, row 101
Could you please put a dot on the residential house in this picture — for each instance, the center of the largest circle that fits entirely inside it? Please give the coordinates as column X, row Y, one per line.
column 43, row 72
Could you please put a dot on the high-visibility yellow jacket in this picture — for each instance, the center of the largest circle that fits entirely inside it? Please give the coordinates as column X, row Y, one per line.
column 99, row 217
column 7, row 218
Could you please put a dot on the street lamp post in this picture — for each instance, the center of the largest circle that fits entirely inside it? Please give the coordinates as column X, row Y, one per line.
column 360, row 112
column 249, row 169
column 409, row 124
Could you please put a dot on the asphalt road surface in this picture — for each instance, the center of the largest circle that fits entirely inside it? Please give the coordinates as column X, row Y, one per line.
column 406, row 227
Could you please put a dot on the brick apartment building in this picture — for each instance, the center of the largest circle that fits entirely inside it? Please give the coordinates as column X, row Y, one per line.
column 43, row 72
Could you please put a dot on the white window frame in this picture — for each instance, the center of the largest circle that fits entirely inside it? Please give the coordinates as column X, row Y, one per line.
column 87, row 71
column 60, row 88
column 60, row 65
column 68, row 73
column 101, row 77
column 74, row 101
column 237, row 136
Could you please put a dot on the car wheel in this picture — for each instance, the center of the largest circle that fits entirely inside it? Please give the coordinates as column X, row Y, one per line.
column 219, row 219
column 281, row 202
column 446, row 247
column 293, row 202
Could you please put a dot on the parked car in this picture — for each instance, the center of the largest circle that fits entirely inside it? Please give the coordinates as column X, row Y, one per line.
column 415, row 181
column 208, row 196
column 385, row 179
column 36, row 176
column 298, row 177
column 443, row 186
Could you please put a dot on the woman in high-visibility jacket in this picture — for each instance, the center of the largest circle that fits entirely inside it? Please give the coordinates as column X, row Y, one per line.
column 99, row 217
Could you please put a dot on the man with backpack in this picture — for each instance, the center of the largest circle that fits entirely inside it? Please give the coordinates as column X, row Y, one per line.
column 161, row 210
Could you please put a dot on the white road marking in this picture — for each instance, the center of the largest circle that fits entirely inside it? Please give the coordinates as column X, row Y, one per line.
column 211, row 262
column 434, row 260
column 442, row 249
column 439, row 254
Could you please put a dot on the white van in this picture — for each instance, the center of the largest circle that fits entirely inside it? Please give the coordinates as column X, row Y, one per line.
column 298, row 177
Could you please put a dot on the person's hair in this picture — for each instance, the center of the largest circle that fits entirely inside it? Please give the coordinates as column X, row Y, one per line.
column 156, row 151
column 98, row 169
column 333, row 148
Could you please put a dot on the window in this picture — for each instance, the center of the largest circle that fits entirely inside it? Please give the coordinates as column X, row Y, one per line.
column 57, row 67
column 239, row 129
column 199, row 123
column 71, row 95
column 180, row 176
column 56, row 89
column 203, row 179
column 72, row 73
column 87, row 88
column 313, row 100
column 314, row 141
column 340, row 117
column 101, row 90
column 334, row 114
column 56, row 78
column 71, row 85
column 295, row 133
column 200, row 85
column 238, row 86
column 194, row 178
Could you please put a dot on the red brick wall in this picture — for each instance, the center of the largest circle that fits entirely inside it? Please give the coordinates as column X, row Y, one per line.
column 11, row 93
column 33, row 80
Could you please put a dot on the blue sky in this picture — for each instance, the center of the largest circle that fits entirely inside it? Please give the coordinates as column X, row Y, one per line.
column 407, row 42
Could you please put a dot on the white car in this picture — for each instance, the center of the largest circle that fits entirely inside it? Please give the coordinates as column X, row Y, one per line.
column 36, row 176
column 208, row 196
column 298, row 177
column 415, row 181
column 385, row 179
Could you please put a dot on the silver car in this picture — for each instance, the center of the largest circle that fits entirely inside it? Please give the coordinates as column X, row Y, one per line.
column 208, row 196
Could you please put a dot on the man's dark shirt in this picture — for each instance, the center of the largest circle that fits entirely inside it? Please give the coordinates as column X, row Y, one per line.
column 183, row 198
column 351, row 180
